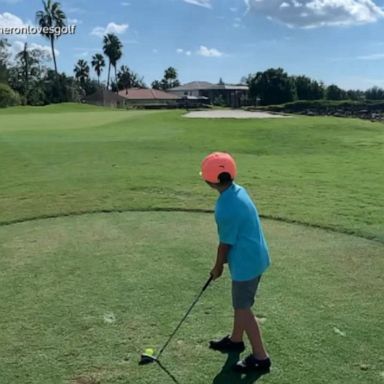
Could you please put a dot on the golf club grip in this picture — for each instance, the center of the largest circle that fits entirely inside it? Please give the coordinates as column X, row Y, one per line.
column 207, row 283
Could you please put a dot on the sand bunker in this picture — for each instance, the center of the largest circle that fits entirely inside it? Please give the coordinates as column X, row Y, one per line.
column 232, row 114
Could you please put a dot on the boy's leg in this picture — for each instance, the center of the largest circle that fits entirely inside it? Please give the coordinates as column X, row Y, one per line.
column 243, row 294
column 246, row 321
column 238, row 328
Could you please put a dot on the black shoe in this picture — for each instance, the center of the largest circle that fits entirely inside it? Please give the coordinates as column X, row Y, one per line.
column 227, row 345
column 251, row 364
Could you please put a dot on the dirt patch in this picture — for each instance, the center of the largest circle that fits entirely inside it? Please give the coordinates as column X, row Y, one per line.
column 232, row 114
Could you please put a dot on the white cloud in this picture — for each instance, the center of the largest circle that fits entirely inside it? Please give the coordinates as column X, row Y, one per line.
column 8, row 20
column 44, row 48
column 318, row 13
column 209, row 52
column 110, row 28
column 181, row 51
column 200, row 3
column 17, row 46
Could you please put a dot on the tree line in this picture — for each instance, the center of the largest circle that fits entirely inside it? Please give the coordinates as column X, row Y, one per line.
column 27, row 78
column 274, row 86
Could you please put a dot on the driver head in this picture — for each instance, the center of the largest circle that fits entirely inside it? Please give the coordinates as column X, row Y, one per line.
column 146, row 359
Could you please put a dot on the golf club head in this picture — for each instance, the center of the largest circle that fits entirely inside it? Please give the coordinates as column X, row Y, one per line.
column 146, row 359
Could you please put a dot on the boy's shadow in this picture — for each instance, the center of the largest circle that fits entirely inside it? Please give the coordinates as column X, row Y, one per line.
column 227, row 375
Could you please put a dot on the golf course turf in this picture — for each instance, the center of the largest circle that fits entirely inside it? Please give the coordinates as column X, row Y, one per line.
column 101, row 253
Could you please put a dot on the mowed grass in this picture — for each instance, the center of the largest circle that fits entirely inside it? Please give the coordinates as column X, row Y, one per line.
column 60, row 159
column 81, row 296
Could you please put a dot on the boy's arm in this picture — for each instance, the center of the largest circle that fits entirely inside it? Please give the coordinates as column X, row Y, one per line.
column 221, row 259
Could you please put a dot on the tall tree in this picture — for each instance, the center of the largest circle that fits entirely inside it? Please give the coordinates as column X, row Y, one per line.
column 4, row 55
column 273, row 86
column 126, row 79
column 170, row 78
column 81, row 71
column 308, row 89
column 333, row 92
column 168, row 81
column 374, row 93
column 98, row 63
column 52, row 17
column 156, row 84
column 27, row 72
column 26, row 62
column 356, row 94
column 112, row 48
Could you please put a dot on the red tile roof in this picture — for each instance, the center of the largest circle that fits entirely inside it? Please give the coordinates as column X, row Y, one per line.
column 147, row 94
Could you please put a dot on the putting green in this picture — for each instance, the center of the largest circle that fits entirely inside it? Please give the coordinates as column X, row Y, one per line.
column 81, row 297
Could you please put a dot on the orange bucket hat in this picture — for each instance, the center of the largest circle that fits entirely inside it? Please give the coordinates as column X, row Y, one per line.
column 216, row 163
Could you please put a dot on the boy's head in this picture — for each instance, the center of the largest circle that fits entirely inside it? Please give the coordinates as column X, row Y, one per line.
column 219, row 170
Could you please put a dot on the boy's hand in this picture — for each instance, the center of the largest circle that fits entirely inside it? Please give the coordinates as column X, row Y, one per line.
column 217, row 271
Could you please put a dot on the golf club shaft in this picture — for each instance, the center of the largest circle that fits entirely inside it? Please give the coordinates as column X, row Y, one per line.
column 185, row 316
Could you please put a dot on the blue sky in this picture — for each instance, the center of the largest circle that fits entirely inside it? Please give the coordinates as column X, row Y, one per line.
column 335, row 41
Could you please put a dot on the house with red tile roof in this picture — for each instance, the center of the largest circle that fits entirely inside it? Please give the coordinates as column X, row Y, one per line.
column 149, row 98
column 144, row 98
column 134, row 97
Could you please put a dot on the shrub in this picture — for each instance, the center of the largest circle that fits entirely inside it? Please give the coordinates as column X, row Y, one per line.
column 8, row 97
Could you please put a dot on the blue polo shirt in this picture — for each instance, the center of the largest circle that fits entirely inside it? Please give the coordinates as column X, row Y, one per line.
column 238, row 225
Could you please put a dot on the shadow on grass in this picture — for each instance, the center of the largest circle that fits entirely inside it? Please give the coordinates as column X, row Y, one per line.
column 227, row 375
column 173, row 378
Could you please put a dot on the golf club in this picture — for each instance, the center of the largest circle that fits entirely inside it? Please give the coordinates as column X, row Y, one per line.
column 148, row 356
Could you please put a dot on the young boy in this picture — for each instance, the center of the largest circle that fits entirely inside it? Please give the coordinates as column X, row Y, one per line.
column 243, row 246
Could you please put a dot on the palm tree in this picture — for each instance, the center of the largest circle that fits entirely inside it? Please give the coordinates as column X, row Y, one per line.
column 116, row 58
column 24, row 58
column 81, row 71
column 29, row 65
column 113, row 50
column 52, row 17
column 124, row 77
column 98, row 63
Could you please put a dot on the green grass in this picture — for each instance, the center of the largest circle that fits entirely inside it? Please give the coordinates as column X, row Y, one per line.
column 322, row 171
column 64, row 275
column 60, row 277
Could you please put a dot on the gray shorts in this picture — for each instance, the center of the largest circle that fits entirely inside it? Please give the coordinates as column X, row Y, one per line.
column 244, row 292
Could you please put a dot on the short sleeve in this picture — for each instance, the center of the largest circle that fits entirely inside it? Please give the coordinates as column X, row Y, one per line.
column 228, row 228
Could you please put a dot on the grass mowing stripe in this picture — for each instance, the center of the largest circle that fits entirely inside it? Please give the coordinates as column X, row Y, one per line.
column 186, row 210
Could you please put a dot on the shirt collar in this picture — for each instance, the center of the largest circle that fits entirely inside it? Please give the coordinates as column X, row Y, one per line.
column 232, row 187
